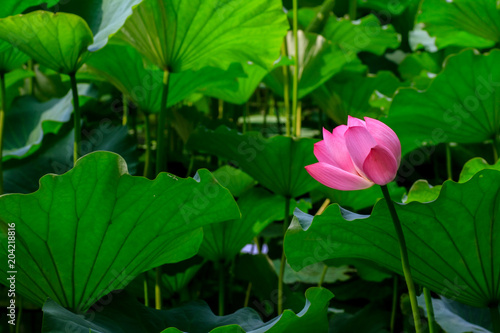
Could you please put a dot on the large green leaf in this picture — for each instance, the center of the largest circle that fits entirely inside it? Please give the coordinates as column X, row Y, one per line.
column 13, row 81
column 276, row 163
column 14, row 7
column 56, row 156
column 349, row 94
column 460, row 105
column 93, row 229
column 365, row 34
column 10, row 57
column 465, row 23
column 179, row 35
column 318, row 58
column 452, row 241
column 44, row 37
column 235, row 180
column 123, row 66
column 125, row 314
column 456, row 317
column 104, row 17
column 259, row 208
column 28, row 120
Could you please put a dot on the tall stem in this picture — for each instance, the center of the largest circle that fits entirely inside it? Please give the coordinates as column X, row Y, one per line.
column 146, row 290
column 76, row 118
column 247, row 294
column 3, row 108
column 286, row 222
column 394, row 302
column 147, row 162
column 448, row 161
column 161, row 151
column 125, row 110
column 495, row 318
column 222, row 288
column 158, row 288
column 295, row 86
column 404, row 259
column 31, row 80
column 430, row 310
column 353, row 8
column 286, row 91
column 323, row 275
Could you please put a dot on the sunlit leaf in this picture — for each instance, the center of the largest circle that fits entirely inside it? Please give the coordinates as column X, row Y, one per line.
column 93, row 229
column 451, row 243
column 460, row 105
column 276, row 163
column 179, row 35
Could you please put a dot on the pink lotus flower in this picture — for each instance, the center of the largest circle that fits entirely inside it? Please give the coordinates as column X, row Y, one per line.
column 357, row 155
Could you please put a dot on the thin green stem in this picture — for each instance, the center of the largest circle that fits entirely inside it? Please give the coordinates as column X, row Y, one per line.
column 295, row 86
column 222, row 288
column 430, row 310
column 404, row 260
column 495, row 318
column 323, row 274
column 3, row 108
column 394, row 302
column 161, row 151
column 76, row 118
column 247, row 294
column 125, row 110
column 286, row 91
column 31, row 80
column 321, row 17
column 146, row 293
column 286, row 222
column 245, row 116
column 158, row 288
column 147, row 162
column 448, row 161
column 353, row 8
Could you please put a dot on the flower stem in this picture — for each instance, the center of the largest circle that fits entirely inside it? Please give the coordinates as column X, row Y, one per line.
column 448, row 161
column 430, row 310
column 286, row 222
column 247, row 294
column 147, row 162
column 146, row 294
column 125, row 110
column 394, row 302
column 158, row 288
column 3, row 106
column 353, row 7
column 76, row 118
column 161, row 151
column 404, row 259
column 323, row 274
column 495, row 318
column 295, row 86
column 286, row 91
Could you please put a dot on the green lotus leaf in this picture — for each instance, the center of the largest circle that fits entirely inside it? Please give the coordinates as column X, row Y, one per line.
column 92, row 230
column 10, row 57
column 460, row 104
column 259, row 208
column 14, row 7
column 465, row 23
column 124, row 66
column 13, row 81
column 180, row 35
column 276, row 163
column 318, row 58
column 28, row 121
column 125, row 314
column 451, row 241
column 349, row 94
